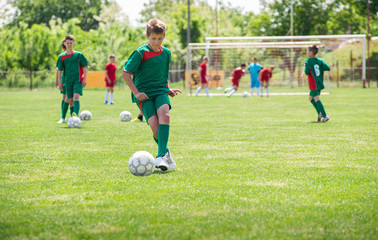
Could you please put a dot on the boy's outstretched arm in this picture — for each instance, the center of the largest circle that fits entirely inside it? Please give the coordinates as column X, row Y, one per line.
column 141, row 96
column 85, row 71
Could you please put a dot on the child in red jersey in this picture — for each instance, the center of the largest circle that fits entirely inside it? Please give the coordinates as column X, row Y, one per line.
column 202, row 73
column 110, row 78
column 265, row 75
column 236, row 76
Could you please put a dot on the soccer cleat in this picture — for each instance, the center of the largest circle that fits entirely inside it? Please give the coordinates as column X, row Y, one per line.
column 112, row 102
column 106, row 102
column 161, row 162
column 170, row 161
column 62, row 120
column 325, row 119
column 319, row 117
column 74, row 115
column 135, row 120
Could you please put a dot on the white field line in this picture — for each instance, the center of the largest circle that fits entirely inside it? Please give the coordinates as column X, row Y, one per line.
column 270, row 94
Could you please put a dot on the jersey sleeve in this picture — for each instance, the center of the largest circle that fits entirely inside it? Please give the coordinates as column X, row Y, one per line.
column 132, row 64
column 325, row 66
column 83, row 60
column 59, row 64
column 307, row 68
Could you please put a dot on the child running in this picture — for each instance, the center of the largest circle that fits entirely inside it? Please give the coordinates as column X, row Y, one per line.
column 64, row 105
column 236, row 75
column 265, row 75
column 202, row 73
column 149, row 65
column 255, row 68
column 314, row 68
column 110, row 78
column 74, row 66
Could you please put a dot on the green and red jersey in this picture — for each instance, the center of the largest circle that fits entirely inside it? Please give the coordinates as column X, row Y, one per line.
column 72, row 66
column 150, row 70
column 314, row 68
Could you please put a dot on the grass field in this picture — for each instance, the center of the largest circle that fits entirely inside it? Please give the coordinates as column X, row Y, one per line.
column 254, row 168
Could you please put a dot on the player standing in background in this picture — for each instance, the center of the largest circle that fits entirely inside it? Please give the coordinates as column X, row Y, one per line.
column 202, row 73
column 150, row 66
column 265, row 75
column 255, row 68
column 74, row 65
column 236, row 75
column 65, row 104
column 110, row 78
column 314, row 68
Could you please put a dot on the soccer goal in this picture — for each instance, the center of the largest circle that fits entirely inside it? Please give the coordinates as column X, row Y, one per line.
column 345, row 54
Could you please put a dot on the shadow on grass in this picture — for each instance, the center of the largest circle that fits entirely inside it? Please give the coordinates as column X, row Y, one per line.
column 314, row 122
column 161, row 172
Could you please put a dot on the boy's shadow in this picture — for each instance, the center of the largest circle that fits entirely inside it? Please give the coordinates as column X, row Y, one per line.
column 314, row 122
column 161, row 172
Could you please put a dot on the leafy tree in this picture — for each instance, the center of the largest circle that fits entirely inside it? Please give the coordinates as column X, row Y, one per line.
column 42, row 11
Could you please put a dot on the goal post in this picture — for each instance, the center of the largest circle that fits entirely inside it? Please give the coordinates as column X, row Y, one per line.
column 345, row 54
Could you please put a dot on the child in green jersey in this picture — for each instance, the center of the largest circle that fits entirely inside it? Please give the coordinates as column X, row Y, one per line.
column 149, row 65
column 64, row 104
column 314, row 68
column 74, row 66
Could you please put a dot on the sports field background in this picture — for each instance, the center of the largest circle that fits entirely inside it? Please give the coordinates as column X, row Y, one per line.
column 248, row 168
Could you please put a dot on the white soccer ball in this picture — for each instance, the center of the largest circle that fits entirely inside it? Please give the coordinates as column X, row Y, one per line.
column 142, row 163
column 125, row 116
column 245, row 94
column 85, row 115
column 74, row 122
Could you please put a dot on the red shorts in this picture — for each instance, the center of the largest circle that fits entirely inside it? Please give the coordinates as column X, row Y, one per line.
column 235, row 83
column 111, row 84
column 264, row 79
column 203, row 80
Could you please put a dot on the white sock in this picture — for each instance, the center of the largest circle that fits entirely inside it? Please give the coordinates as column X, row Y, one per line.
column 262, row 91
column 257, row 91
column 267, row 91
column 229, row 89
column 198, row 90
column 111, row 97
column 251, row 91
column 106, row 95
column 207, row 92
column 232, row 92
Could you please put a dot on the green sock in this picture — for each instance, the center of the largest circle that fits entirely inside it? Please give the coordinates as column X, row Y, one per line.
column 61, row 106
column 71, row 110
column 321, row 108
column 64, row 110
column 157, row 142
column 163, row 135
column 315, row 106
column 76, row 107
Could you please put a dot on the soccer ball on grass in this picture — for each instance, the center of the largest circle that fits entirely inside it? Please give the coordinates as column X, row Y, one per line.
column 142, row 163
column 85, row 115
column 125, row 116
column 245, row 94
column 74, row 122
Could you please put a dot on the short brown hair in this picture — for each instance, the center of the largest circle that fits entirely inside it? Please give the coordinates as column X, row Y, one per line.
column 69, row 37
column 313, row 49
column 155, row 26
column 112, row 56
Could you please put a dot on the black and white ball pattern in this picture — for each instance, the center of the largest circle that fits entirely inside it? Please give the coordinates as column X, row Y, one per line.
column 142, row 163
column 125, row 116
column 74, row 122
column 85, row 115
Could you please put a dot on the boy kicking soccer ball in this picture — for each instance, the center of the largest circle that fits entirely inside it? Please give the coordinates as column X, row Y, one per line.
column 236, row 76
column 314, row 68
column 73, row 64
column 110, row 78
column 149, row 65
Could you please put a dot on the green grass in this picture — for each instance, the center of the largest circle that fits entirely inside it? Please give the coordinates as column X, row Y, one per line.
column 255, row 168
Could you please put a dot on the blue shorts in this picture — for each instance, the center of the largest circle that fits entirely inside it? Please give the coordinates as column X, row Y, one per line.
column 255, row 83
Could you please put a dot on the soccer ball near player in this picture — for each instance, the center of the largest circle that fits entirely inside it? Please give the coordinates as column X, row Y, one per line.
column 125, row 116
column 142, row 163
column 245, row 94
column 85, row 115
column 74, row 122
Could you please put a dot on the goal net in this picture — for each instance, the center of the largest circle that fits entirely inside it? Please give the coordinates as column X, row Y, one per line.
column 345, row 55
